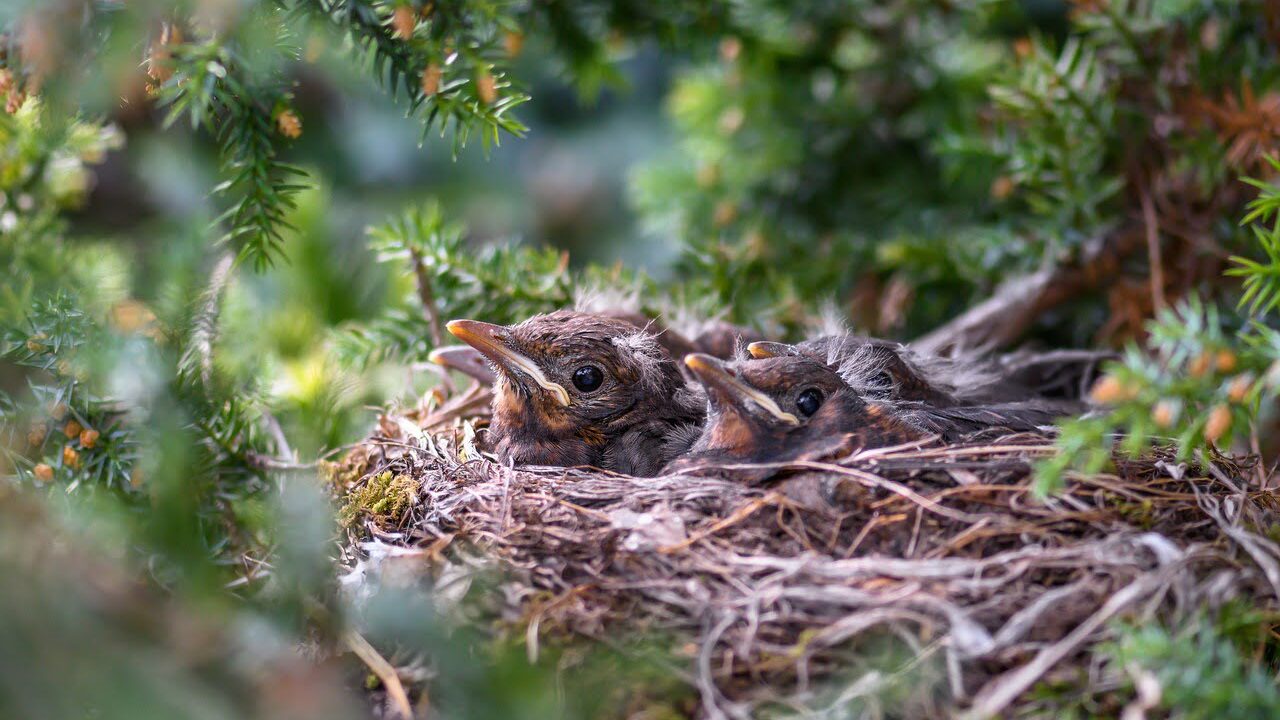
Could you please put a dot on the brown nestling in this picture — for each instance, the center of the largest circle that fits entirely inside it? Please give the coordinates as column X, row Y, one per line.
column 794, row 407
column 585, row 389
column 782, row 409
column 897, row 372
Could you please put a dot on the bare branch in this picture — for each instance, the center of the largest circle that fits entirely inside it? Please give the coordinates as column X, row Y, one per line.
column 427, row 295
column 1006, row 316
column 383, row 669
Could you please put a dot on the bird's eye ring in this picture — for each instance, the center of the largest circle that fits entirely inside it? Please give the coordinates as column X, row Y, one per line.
column 808, row 401
column 588, row 378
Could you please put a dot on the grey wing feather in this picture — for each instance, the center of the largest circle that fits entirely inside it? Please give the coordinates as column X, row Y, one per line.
column 953, row 422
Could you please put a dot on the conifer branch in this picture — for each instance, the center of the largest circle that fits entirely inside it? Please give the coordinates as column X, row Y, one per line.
column 447, row 70
column 210, row 83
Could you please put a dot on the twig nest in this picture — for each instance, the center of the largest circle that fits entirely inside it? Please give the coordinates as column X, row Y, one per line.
column 771, row 574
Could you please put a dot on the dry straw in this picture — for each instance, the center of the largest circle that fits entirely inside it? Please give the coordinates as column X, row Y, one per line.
column 770, row 583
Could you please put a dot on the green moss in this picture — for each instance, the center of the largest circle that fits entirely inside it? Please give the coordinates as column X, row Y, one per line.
column 1140, row 514
column 384, row 496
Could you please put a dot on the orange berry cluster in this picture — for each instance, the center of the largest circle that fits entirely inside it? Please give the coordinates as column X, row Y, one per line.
column 87, row 438
column 1110, row 390
column 288, row 124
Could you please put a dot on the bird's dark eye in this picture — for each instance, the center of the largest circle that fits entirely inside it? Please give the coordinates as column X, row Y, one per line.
column 883, row 380
column 809, row 401
column 588, row 378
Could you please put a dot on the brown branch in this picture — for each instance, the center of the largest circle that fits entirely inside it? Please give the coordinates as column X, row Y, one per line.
column 1003, row 318
column 384, row 670
column 428, row 298
column 1152, row 224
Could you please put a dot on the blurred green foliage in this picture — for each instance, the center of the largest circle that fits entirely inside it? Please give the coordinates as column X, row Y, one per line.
column 1212, row 668
column 190, row 320
column 1201, row 379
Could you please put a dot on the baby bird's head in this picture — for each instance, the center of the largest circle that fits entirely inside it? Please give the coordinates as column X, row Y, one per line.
column 785, row 407
column 569, row 383
column 875, row 368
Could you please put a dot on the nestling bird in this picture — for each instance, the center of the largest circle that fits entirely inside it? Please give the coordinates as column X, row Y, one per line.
column 792, row 407
column 680, row 329
column 718, row 339
column 782, row 409
column 582, row 389
column 897, row 372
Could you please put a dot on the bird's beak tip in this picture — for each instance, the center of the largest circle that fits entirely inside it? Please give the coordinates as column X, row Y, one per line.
column 762, row 350
column 493, row 341
column 459, row 328
column 717, row 378
column 477, row 334
column 699, row 362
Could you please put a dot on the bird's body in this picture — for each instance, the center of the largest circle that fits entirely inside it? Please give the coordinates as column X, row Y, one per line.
column 891, row 370
column 682, row 330
column 606, row 390
column 792, row 407
column 585, row 389
column 676, row 344
column 953, row 423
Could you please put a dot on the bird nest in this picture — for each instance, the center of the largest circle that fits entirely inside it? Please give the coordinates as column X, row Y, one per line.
column 774, row 589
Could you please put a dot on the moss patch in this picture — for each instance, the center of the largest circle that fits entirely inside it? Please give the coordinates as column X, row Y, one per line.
column 384, row 496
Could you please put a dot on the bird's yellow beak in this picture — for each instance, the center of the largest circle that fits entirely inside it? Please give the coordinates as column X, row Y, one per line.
column 716, row 377
column 762, row 350
column 493, row 341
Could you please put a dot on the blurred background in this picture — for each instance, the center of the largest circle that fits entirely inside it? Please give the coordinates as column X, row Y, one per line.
column 218, row 218
column 565, row 185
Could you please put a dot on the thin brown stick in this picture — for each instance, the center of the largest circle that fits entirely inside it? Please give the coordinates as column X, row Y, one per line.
column 383, row 669
column 1046, row 449
column 427, row 295
column 739, row 515
column 867, row 529
column 999, row 693
column 1154, row 258
column 876, row 481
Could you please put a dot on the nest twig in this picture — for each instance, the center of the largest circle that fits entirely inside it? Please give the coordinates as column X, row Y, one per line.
column 772, row 582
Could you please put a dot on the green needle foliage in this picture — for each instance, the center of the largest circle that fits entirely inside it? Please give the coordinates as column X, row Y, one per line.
column 1261, row 278
column 442, row 60
column 106, row 385
column 502, row 283
column 235, row 88
column 1201, row 380
column 896, row 160
column 1212, row 668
